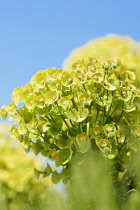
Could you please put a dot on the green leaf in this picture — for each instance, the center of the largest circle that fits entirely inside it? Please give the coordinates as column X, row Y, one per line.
column 64, row 174
column 26, row 141
column 37, row 173
column 34, row 136
column 25, row 114
column 44, row 152
column 48, row 170
column 63, row 157
column 56, row 177
column 36, row 147
column 53, row 131
column 61, row 140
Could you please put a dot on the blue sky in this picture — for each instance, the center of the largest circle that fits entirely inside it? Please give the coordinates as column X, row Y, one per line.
column 39, row 34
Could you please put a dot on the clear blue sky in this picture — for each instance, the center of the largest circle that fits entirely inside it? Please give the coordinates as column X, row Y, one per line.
column 39, row 34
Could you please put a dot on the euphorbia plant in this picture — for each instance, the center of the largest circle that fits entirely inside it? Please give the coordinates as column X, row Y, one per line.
column 65, row 115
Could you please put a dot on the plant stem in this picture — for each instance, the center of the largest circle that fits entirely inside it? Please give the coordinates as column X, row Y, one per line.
column 62, row 116
column 88, row 128
column 120, row 118
column 96, row 118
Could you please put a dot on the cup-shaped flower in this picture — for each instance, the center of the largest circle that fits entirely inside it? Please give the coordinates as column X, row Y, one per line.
column 66, row 102
column 122, row 76
column 120, row 137
column 96, row 132
column 82, row 142
column 129, row 106
column 95, row 88
column 40, row 101
column 30, row 102
column 104, row 145
column 111, row 84
column 67, row 79
column 85, row 99
column 16, row 95
column 51, row 97
column 96, row 77
column 53, row 73
column 3, row 112
column 39, row 79
column 124, row 93
column 55, row 85
column 80, row 77
column 11, row 108
column 109, row 130
column 132, row 119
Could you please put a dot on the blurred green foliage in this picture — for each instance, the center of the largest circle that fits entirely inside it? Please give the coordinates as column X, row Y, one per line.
column 19, row 189
column 110, row 47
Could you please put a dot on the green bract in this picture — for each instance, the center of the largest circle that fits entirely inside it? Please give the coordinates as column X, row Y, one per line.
column 93, row 107
column 83, row 142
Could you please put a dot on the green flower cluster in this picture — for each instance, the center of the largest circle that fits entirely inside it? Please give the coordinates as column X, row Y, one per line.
column 110, row 47
column 66, row 114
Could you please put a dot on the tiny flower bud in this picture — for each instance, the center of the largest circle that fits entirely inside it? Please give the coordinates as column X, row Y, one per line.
column 105, row 66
